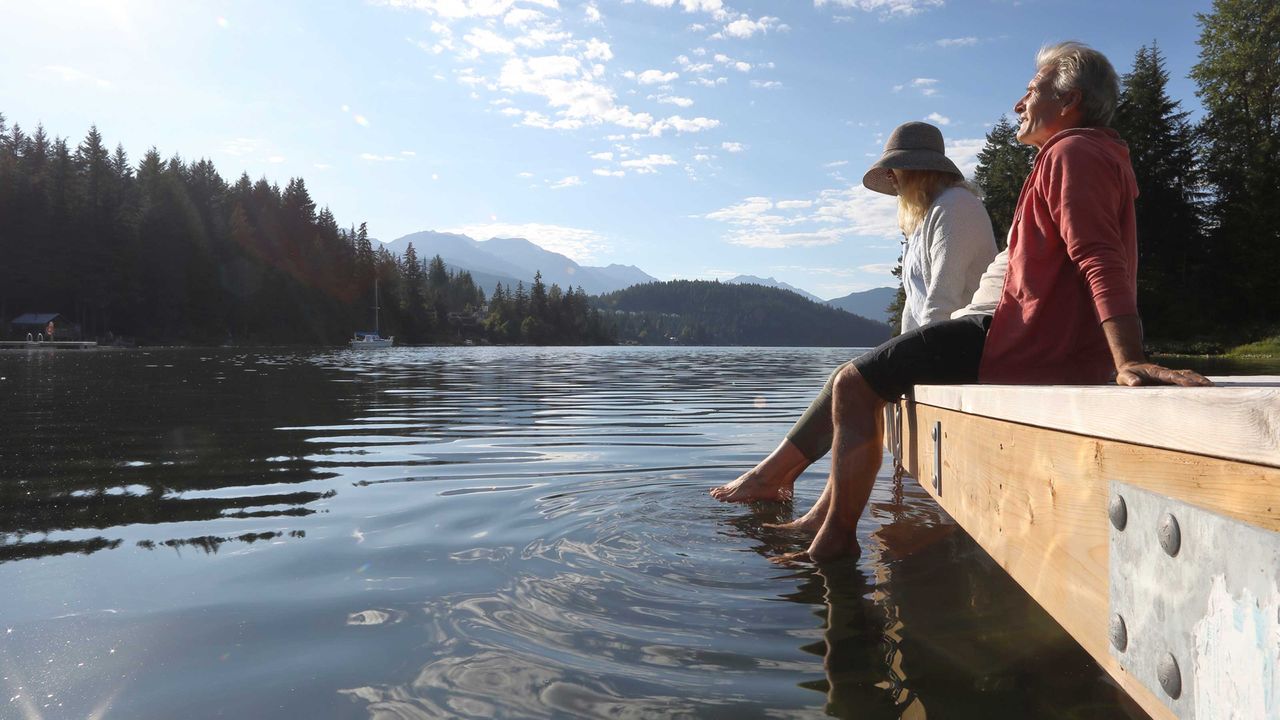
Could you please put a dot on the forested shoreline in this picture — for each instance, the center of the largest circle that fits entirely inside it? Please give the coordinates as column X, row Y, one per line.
column 167, row 251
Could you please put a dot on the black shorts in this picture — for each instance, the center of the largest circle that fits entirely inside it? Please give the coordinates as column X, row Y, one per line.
column 946, row 352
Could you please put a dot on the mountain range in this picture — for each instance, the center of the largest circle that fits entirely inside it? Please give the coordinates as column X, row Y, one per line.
column 512, row 260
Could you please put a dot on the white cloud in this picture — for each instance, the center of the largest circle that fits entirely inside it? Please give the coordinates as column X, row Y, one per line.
column 878, row 268
column 77, row 76
column 223, row 23
column 577, row 243
column 705, row 82
column 766, row 84
column 649, row 164
column 461, row 9
column 592, row 13
column 964, row 153
column 408, row 153
column 240, row 147
column 602, row 156
column 733, row 147
column 886, row 8
column 714, row 7
column 525, row 174
column 488, row 41
column 275, row 159
column 836, row 164
column 579, row 99
column 938, row 118
column 957, row 42
column 656, row 77
column 676, row 100
column 690, row 66
column 745, row 27
column 926, row 86
column 604, row 172
column 834, row 216
column 539, row 37
column 571, row 181
column 362, row 121
column 598, row 50
column 702, row 157
column 371, row 157
column 682, row 125
column 727, row 61
column 520, row 17
column 511, row 112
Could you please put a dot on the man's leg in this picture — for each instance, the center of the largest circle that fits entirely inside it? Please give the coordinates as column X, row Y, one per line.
column 858, row 416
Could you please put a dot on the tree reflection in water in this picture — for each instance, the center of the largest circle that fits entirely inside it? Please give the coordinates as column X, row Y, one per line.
column 96, row 441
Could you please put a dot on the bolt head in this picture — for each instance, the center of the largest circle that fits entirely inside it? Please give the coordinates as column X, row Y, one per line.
column 1119, row 512
column 1170, row 535
column 1170, row 676
column 1119, row 633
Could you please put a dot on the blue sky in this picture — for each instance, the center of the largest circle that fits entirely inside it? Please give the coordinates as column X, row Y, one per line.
column 692, row 138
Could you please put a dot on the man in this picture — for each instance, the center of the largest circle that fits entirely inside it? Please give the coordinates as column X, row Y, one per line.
column 1065, row 310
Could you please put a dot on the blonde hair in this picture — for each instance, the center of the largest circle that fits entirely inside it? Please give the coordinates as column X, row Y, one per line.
column 1080, row 67
column 917, row 189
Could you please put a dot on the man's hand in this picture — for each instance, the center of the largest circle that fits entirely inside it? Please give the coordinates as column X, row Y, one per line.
column 1145, row 373
column 1124, row 336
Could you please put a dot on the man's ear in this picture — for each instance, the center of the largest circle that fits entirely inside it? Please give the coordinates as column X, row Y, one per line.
column 1071, row 100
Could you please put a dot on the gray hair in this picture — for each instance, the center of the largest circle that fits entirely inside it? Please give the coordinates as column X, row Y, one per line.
column 1080, row 67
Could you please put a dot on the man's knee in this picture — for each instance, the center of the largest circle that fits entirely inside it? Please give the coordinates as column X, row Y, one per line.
column 851, row 388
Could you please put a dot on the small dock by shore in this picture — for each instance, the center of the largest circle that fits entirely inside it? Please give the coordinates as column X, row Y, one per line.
column 49, row 345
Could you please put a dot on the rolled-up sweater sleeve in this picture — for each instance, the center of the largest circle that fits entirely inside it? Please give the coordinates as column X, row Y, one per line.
column 960, row 246
column 1086, row 192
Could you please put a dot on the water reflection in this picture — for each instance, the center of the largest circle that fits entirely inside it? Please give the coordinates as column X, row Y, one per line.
column 487, row 532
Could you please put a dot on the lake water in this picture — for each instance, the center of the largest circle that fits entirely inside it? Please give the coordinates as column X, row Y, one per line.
column 474, row 532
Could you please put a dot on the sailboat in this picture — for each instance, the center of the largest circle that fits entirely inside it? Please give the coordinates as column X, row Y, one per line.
column 368, row 339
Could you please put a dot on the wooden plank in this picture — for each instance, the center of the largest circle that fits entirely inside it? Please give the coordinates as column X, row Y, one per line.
column 1036, row 501
column 1238, row 420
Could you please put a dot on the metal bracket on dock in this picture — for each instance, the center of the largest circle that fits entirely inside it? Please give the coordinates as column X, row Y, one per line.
column 893, row 427
column 937, row 456
column 1194, row 605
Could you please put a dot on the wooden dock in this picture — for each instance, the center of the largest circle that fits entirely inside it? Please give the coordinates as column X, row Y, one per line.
column 1146, row 521
column 48, row 345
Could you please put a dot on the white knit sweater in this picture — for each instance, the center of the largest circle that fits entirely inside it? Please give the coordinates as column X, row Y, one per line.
column 945, row 257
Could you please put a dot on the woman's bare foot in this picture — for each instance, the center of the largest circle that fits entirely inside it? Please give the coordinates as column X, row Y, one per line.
column 756, row 485
column 771, row 480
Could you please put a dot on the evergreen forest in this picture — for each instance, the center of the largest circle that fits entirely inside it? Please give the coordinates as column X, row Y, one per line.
column 699, row 312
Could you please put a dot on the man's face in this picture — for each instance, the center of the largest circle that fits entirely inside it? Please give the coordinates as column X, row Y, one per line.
column 1042, row 112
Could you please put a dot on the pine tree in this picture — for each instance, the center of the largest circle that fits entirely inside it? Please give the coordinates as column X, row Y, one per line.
column 1003, row 165
column 1170, row 245
column 1238, row 79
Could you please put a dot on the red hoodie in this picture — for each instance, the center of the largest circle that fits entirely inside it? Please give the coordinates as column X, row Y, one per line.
column 1073, row 263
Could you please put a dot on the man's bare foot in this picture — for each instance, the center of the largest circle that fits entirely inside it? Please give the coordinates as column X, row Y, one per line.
column 830, row 544
column 755, row 484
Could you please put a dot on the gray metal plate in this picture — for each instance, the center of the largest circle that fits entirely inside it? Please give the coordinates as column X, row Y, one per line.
column 1207, row 617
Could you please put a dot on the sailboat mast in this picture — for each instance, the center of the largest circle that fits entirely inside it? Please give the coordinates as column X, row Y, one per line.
column 377, row 328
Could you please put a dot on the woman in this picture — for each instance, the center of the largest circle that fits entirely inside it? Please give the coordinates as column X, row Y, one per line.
column 949, row 244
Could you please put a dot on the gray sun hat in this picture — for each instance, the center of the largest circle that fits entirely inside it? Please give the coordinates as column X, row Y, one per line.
column 912, row 146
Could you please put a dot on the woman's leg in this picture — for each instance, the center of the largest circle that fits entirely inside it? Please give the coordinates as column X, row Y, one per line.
column 773, row 477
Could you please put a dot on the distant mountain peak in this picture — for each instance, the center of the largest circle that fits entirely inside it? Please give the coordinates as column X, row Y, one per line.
column 773, row 283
